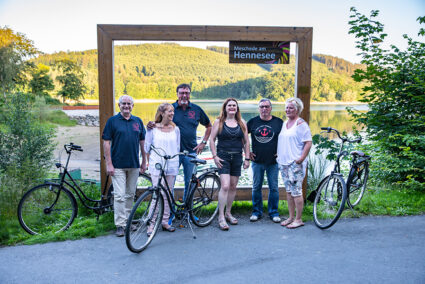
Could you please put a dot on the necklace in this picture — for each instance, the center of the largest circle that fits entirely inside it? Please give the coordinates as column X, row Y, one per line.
column 232, row 132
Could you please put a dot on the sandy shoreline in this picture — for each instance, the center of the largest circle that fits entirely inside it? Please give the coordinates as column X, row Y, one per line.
column 88, row 138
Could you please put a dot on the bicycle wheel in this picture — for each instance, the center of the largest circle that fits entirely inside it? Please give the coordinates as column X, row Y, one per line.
column 144, row 181
column 203, row 200
column 330, row 201
column 144, row 221
column 356, row 184
column 47, row 208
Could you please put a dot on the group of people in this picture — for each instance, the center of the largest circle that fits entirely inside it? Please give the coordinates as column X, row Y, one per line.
column 276, row 146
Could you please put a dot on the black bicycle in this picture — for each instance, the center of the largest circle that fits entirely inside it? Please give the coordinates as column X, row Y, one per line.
column 200, row 206
column 333, row 191
column 51, row 206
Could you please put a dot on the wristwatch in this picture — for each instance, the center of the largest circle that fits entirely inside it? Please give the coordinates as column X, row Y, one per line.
column 204, row 142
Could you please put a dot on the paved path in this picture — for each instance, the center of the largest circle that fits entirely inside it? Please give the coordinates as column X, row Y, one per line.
column 364, row 250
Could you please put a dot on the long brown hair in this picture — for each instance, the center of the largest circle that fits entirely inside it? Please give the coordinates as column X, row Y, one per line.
column 223, row 116
column 160, row 111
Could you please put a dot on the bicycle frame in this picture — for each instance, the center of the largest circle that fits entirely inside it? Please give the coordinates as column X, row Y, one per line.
column 170, row 197
column 75, row 187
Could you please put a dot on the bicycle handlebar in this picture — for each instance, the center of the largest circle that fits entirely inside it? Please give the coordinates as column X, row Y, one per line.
column 168, row 157
column 72, row 147
column 344, row 139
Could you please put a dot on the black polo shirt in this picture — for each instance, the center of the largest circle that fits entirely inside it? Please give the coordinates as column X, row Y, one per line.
column 125, row 136
column 188, row 121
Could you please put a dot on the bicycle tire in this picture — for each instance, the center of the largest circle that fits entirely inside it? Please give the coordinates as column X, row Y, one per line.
column 203, row 204
column 46, row 208
column 142, row 217
column 330, row 201
column 144, row 182
column 356, row 184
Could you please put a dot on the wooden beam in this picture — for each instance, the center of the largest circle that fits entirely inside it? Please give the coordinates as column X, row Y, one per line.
column 105, row 50
column 243, row 193
column 204, row 33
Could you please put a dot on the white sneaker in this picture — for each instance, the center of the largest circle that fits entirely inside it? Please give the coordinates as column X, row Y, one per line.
column 253, row 218
column 276, row 219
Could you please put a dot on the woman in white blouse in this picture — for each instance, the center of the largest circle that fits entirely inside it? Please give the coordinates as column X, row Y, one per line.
column 293, row 146
column 165, row 136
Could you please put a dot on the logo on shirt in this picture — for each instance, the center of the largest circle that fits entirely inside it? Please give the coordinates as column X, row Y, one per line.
column 136, row 126
column 264, row 134
column 191, row 114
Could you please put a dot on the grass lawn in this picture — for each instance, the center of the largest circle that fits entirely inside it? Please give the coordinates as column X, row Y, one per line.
column 376, row 201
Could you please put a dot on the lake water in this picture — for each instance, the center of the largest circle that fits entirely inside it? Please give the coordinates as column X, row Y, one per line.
column 335, row 116
column 321, row 115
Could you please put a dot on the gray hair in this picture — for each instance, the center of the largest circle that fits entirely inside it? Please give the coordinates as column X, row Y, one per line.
column 265, row 100
column 297, row 103
column 125, row 96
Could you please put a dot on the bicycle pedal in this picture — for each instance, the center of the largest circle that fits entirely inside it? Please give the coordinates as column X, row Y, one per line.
column 181, row 226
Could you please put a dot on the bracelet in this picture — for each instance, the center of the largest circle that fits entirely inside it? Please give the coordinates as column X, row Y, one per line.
column 246, row 159
column 204, row 142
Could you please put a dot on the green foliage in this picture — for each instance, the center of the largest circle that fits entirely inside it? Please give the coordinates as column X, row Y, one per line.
column 317, row 166
column 41, row 81
column 153, row 71
column 15, row 49
column 26, row 149
column 395, row 93
column 72, row 80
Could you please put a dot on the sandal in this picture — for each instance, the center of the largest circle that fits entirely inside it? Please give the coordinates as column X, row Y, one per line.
column 223, row 225
column 295, row 225
column 232, row 220
column 286, row 222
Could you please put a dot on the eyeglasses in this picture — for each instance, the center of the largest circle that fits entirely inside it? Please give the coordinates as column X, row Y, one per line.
column 184, row 93
column 264, row 106
column 125, row 103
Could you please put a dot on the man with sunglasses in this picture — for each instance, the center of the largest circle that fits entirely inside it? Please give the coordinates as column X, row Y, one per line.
column 264, row 130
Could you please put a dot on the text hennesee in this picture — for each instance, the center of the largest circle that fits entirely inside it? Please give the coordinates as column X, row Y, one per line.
column 253, row 55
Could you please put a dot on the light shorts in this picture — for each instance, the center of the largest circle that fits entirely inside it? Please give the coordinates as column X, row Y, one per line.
column 293, row 176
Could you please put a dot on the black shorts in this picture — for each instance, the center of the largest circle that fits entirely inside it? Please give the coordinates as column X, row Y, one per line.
column 232, row 163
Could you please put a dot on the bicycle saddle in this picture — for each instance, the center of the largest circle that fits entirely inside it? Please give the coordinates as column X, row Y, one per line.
column 198, row 161
column 358, row 153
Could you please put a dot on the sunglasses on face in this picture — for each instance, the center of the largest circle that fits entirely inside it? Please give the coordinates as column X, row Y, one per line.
column 264, row 106
column 184, row 93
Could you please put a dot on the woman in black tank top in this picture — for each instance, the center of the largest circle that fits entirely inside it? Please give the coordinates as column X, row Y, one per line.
column 231, row 132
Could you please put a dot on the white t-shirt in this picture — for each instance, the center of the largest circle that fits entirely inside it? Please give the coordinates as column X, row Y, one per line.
column 169, row 142
column 291, row 143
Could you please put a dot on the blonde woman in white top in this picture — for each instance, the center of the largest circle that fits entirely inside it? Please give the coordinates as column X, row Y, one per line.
column 166, row 137
column 293, row 146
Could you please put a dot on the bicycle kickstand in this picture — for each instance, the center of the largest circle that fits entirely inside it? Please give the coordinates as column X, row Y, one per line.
column 353, row 211
column 190, row 226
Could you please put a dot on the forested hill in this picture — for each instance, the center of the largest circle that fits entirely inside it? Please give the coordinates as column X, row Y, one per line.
column 152, row 71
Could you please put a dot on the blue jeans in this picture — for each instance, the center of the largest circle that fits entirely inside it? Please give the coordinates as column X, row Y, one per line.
column 272, row 172
column 187, row 172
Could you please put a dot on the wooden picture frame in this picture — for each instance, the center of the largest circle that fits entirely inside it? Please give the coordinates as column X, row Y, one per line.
column 107, row 34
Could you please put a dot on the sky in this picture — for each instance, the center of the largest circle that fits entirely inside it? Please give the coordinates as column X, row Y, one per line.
column 64, row 25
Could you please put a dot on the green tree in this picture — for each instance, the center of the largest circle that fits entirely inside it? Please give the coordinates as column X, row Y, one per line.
column 72, row 80
column 26, row 150
column 395, row 94
column 15, row 50
column 41, row 81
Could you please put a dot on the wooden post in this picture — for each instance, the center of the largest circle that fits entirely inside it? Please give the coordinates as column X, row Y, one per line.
column 105, row 55
column 303, row 81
